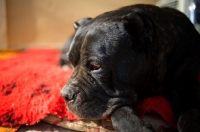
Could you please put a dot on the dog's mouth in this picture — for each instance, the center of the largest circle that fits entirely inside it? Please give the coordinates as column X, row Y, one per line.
column 97, row 106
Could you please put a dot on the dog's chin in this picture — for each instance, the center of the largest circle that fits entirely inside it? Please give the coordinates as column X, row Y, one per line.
column 96, row 109
column 91, row 110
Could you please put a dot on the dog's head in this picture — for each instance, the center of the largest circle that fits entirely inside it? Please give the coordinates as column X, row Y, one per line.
column 109, row 55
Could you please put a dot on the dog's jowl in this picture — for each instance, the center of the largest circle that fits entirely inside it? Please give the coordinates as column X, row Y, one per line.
column 123, row 56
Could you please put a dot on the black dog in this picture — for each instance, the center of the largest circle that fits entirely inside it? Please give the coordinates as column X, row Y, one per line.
column 126, row 55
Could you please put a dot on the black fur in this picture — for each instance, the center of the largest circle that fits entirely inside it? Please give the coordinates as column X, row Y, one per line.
column 123, row 56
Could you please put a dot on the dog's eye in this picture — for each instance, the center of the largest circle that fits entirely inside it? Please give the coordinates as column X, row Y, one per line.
column 94, row 66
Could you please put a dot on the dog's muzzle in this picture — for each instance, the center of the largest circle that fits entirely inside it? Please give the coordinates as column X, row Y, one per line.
column 68, row 93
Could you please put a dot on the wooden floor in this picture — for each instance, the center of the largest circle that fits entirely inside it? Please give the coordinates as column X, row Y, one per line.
column 4, row 54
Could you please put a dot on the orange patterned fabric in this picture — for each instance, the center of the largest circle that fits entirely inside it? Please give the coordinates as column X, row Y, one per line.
column 9, row 129
column 81, row 125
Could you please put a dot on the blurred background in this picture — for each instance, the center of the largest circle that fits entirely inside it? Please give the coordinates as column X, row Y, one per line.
column 48, row 23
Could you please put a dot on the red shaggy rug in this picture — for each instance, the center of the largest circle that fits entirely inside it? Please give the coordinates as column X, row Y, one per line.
column 30, row 85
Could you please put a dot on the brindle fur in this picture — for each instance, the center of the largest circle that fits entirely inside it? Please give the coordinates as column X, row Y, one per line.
column 142, row 51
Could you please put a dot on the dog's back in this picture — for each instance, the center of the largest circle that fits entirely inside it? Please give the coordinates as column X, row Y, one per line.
column 181, row 84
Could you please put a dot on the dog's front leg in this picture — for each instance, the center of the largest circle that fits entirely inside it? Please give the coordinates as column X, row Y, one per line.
column 124, row 120
column 189, row 121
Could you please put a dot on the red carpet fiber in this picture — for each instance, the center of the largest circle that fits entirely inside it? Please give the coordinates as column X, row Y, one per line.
column 30, row 85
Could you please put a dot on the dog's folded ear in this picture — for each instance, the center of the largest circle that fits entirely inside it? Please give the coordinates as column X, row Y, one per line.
column 81, row 22
column 140, row 30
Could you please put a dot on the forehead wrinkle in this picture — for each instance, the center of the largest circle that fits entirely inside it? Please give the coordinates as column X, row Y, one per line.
column 93, row 43
column 75, row 48
column 101, row 40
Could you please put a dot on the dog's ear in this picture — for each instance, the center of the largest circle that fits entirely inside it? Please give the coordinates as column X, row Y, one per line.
column 81, row 22
column 140, row 30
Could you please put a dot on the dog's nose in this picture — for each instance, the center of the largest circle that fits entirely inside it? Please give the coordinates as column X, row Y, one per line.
column 68, row 93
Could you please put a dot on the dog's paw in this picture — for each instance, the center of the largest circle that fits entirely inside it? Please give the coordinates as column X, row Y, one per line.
column 189, row 121
column 124, row 120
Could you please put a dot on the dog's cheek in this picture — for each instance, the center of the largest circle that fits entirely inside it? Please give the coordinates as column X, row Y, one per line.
column 132, row 70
